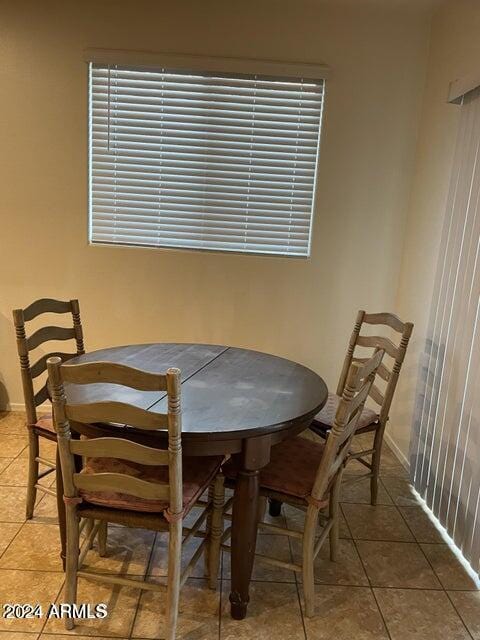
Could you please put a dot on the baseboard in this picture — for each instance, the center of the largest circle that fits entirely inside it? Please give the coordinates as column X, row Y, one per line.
column 397, row 451
column 20, row 406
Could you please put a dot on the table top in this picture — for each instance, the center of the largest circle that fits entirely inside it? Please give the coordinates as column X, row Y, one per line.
column 226, row 392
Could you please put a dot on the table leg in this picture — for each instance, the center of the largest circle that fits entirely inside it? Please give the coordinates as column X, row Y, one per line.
column 274, row 507
column 62, row 523
column 244, row 537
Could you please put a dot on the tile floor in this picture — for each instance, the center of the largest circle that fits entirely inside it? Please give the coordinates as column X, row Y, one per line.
column 395, row 578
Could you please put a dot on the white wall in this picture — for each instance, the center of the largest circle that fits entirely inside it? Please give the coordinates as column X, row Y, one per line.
column 302, row 309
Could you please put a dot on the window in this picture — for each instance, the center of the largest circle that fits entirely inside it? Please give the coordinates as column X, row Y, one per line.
column 197, row 160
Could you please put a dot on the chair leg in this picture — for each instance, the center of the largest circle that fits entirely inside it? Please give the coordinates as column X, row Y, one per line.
column 208, row 529
column 71, row 563
column 308, row 560
column 274, row 507
column 88, row 530
column 102, row 538
column 376, row 457
column 216, row 531
column 334, row 515
column 173, row 579
column 33, row 452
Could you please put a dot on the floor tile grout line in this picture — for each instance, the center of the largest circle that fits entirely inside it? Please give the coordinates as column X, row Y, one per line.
column 302, row 617
column 443, row 587
column 12, row 460
column 54, row 600
column 425, row 555
column 411, row 529
column 411, row 504
column 144, row 576
column 413, row 541
column 373, row 586
column 73, row 636
column 372, row 589
column 23, row 524
column 458, row 612
column 64, row 633
column 366, row 501
column 397, row 540
column 369, row 581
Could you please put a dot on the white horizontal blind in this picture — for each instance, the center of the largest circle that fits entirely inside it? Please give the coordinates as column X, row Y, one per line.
column 202, row 161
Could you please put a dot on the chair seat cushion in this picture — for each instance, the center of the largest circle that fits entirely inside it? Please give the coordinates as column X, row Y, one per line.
column 292, row 468
column 327, row 415
column 198, row 472
column 45, row 423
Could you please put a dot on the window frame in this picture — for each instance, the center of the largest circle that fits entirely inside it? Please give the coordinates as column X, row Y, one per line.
column 204, row 64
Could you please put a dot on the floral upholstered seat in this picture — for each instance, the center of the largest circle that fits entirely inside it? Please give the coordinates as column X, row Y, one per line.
column 326, row 416
column 292, row 468
column 198, row 472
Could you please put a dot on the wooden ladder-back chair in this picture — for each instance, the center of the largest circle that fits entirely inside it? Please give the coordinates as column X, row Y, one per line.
column 42, row 426
column 370, row 420
column 307, row 475
column 132, row 484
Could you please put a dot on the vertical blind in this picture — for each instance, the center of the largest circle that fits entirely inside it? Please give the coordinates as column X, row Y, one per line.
column 203, row 161
column 445, row 450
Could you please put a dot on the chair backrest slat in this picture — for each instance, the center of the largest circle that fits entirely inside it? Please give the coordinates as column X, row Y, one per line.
column 45, row 305
column 377, row 395
column 117, row 412
column 41, row 396
column 382, row 370
column 45, row 334
column 349, row 427
column 40, row 365
column 114, row 373
column 121, row 483
column 378, row 341
column 357, row 387
column 119, row 448
column 337, row 465
column 388, row 322
column 388, row 319
column 25, row 344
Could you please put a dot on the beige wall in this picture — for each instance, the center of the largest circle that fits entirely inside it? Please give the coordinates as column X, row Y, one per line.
column 302, row 309
column 454, row 53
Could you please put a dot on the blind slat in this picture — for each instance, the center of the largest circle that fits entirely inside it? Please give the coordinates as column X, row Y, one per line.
column 233, row 158
column 172, row 218
column 214, row 183
column 102, row 204
column 140, row 169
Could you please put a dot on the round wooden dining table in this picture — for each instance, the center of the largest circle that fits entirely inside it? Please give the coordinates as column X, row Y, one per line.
column 234, row 401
